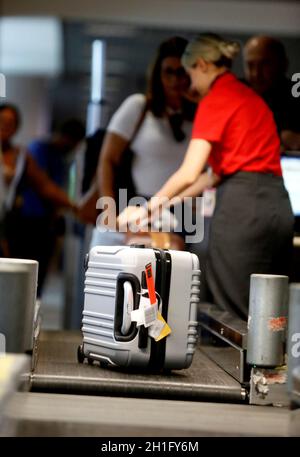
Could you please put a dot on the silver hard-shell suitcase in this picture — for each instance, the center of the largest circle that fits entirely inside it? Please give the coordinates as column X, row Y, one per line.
column 114, row 282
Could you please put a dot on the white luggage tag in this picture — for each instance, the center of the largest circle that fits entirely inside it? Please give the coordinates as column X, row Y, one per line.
column 209, row 196
column 148, row 305
column 149, row 311
column 146, row 314
column 156, row 329
column 209, row 199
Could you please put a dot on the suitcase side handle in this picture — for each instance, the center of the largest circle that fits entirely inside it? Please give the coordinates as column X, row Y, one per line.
column 127, row 307
column 120, row 318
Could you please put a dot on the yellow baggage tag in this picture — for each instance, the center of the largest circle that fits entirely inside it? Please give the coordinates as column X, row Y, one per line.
column 159, row 329
column 166, row 330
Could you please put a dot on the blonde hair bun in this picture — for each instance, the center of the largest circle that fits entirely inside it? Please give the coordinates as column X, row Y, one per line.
column 210, row 47
column 229, row 49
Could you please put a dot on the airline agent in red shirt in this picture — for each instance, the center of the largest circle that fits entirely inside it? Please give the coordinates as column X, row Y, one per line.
column 235, row 133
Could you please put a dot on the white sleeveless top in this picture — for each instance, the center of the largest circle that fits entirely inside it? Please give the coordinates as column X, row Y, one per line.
column 157, row 154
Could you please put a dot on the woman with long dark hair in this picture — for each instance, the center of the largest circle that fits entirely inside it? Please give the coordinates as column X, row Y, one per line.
column 157, row 127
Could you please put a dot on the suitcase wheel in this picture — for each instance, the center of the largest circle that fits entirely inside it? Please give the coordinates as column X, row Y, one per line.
column 90, row 361
column 80, row 354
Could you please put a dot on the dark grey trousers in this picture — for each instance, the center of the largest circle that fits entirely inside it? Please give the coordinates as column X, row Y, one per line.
column 251, row 232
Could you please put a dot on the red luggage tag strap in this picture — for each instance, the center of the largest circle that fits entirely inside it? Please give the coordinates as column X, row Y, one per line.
column 150, row 283
column 147, row 313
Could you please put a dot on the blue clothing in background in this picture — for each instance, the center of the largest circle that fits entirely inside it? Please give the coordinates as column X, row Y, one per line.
column 51, row 160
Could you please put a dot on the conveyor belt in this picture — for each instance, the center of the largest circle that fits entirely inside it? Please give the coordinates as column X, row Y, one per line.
column 57, row 370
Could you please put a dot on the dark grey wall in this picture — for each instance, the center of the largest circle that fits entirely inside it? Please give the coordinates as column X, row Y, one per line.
column 130, row 49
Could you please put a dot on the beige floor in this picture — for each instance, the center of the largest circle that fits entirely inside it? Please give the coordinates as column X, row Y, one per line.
column 40, row 414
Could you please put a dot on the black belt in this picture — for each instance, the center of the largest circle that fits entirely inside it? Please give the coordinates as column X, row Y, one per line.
column 252, row 176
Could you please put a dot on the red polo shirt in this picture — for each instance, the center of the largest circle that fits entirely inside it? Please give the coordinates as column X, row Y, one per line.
column 241, row 128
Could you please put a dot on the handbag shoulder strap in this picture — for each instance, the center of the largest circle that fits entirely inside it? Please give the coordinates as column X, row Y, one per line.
column 139, row 122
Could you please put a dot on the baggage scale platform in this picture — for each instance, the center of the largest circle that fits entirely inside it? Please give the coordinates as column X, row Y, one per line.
column 58, row 371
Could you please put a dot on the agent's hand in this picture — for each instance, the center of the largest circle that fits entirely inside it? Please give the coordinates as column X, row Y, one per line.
column 132, row 218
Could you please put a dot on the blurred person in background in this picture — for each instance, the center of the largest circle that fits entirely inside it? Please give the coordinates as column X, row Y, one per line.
column 157, row 128
column 24, row 239
column 3, row 243
column 266, row 65
column 41, row 221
